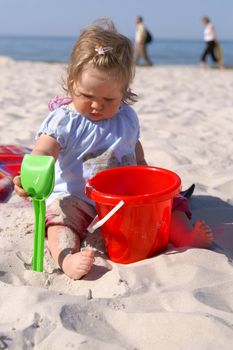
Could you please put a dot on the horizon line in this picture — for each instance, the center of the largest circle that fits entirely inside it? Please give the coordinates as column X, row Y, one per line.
column 37, row 36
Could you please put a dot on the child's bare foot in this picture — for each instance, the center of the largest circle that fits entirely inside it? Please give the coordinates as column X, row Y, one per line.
column 201, row 236
column 78, row 264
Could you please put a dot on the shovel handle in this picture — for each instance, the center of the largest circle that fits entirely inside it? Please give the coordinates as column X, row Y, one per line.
column 38, row 254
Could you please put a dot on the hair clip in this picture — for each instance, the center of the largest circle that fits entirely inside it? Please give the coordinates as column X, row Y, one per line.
column 102, row 50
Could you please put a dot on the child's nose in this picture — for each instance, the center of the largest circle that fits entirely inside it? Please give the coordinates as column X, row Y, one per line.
column 96, row 105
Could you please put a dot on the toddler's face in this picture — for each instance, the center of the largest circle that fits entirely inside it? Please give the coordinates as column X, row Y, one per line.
column 97, row 94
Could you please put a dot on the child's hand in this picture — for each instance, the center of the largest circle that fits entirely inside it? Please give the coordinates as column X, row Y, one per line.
column 18, row 187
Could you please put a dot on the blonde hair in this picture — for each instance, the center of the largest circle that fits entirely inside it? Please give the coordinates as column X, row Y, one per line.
column 117, row 57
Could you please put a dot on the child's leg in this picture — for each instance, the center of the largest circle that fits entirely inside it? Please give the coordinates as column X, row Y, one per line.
column 66, row 220
column 183, row 234
column 64, row 245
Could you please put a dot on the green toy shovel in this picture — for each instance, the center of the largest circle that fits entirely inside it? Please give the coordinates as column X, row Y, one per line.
column 37, row 179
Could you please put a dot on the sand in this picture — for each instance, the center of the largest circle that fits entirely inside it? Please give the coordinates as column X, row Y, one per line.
column 181, row 299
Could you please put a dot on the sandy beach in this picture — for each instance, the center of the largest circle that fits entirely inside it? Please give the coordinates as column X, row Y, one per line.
column 181, row 299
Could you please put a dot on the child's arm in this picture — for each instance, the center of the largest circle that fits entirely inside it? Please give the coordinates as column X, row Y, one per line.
column 140, row 154
column 45, row 146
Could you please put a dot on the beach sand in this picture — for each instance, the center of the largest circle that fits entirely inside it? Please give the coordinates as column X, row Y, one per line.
column 180, row 299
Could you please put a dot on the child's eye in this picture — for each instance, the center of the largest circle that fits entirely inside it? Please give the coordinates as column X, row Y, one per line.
column 86, row 96
column 109, row 99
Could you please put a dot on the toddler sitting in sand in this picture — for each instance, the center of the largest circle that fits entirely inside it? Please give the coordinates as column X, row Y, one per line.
column 94, row 129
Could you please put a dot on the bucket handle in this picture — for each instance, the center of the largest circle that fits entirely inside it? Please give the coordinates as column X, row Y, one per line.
column 98, row 223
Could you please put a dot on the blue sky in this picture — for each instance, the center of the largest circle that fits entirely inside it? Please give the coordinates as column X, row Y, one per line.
column 165, row 18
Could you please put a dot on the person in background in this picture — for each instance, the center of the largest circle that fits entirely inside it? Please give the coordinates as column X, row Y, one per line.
column 212, row 46
column 91, row 129
column 140, row 42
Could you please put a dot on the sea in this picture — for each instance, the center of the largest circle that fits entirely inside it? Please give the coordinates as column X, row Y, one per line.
column 58, row 49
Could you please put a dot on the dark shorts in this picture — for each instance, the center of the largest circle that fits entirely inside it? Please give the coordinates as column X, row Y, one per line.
column 180, row 203
column 71, row 212
column 77, row 214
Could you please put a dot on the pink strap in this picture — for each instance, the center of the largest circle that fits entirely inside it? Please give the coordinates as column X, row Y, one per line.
column 59, row 101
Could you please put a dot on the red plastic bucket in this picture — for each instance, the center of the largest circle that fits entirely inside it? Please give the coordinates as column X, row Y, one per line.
column 140, row 228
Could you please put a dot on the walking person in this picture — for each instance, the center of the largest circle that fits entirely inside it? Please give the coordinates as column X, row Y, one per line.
column 212, row 46
column 141, row 42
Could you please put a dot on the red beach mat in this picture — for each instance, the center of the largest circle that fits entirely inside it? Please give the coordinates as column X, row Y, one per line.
column 10, row 162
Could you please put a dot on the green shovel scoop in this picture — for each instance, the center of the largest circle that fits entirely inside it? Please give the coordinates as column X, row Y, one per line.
column 37, row 179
